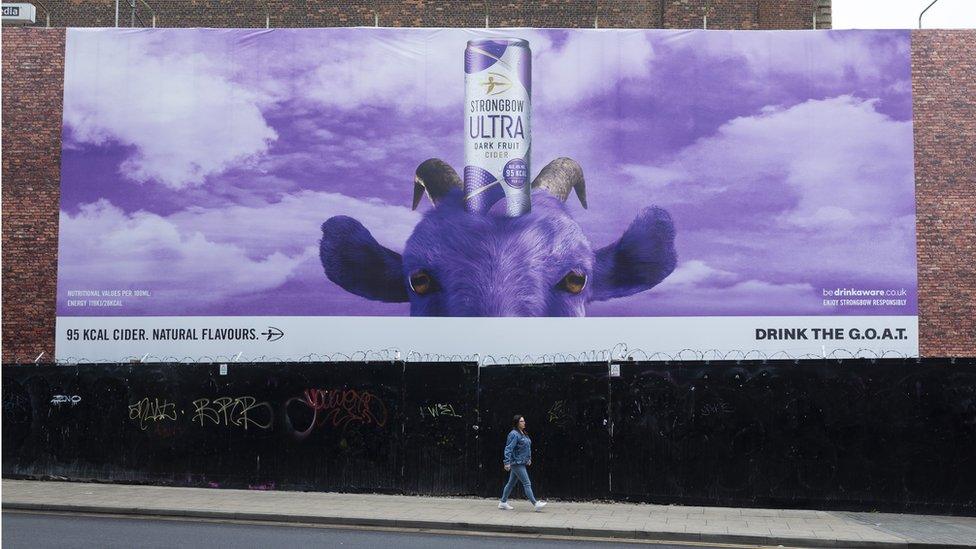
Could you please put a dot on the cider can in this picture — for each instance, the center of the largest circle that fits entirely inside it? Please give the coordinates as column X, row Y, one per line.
column 498, row 137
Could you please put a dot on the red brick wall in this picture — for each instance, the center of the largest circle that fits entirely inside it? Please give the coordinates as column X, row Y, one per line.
column 944, row 88
column 945, row 149
column 722, row 14
column 776, row 14
column 33, row 76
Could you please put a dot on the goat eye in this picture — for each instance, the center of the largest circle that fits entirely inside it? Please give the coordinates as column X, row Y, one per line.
column 573, row 282
column 421, row 282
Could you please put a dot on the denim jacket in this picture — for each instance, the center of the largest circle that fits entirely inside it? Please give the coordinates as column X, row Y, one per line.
column 518, row 448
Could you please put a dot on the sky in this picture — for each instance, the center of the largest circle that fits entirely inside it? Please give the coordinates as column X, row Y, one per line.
column 903, row 14
column 199, row 164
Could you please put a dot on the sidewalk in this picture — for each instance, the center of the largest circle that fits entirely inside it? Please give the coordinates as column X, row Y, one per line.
column 613, row 520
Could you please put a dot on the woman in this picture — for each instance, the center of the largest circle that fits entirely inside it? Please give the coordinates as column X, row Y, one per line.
column 518, row 456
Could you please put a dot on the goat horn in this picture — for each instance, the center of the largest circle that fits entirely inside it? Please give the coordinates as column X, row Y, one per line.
column 561, row 175
column 435, row 178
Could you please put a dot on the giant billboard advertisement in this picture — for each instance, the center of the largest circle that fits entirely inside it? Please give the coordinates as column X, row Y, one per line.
column 280, row 194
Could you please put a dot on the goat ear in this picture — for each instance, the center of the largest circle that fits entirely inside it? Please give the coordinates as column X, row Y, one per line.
column 640, row 260
column 354, row 260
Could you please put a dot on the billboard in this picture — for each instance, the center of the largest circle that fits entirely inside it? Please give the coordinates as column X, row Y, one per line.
column 278, row 194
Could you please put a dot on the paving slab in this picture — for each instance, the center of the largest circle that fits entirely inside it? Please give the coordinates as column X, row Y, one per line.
column 794, row 528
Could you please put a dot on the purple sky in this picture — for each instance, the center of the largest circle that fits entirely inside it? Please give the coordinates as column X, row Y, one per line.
column 199, row 163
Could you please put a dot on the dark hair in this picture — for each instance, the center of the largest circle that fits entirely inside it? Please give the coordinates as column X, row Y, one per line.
column 515, row 421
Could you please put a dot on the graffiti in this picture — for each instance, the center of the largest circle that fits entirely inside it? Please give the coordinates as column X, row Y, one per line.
column 58, row 400
column 151, row 410
column 344, row 406
column 557, row 413
column 241, row 412
column 720, row 407
column 812, row 432
column 439, row 410
column 16, row 404
column 340, row 407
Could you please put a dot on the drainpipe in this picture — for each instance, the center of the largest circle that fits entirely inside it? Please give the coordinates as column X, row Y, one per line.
column 152, row 11
column 47, row 14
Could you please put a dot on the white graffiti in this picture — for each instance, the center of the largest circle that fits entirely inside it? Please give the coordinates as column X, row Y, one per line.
column 58, row 400
column 438, row 410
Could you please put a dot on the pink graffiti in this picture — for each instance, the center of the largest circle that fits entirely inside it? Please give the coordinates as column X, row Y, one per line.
column 340, row 407
column 344, row 406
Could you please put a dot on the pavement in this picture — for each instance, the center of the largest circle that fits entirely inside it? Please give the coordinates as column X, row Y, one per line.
column 786, row 527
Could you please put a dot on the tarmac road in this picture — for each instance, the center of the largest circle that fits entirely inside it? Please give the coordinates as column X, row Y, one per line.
column 69, row 530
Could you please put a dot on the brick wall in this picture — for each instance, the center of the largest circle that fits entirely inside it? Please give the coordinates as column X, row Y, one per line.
column 676, row 14
column 943, row 65
column 33, row 76
column 945, row 140
column 775, row 14
column 823, row 14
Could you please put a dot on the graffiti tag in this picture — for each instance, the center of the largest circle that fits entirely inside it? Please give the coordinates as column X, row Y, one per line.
column 439, row 410
column 241, row 412
column 557, row 413
column 720, row 407
column 344, row 406
column 15, row 403
column 58, row 400
column 147, row 411
column 341, row 407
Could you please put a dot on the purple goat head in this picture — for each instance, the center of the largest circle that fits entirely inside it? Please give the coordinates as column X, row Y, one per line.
column 458, row 263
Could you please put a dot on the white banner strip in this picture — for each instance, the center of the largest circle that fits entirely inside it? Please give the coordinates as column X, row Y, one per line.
column 291, row 338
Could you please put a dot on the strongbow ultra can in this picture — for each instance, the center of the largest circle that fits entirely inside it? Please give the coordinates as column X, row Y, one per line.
column 498, row 91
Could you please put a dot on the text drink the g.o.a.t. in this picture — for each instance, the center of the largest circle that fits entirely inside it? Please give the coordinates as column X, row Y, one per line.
column 498, row 99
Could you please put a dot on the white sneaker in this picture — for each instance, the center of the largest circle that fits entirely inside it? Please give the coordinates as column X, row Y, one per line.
column 539, row 505
column 505, row 506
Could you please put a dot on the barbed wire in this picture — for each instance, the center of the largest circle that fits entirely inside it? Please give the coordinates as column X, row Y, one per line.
column 757, row 354
column 619, row 352
column 416, row 356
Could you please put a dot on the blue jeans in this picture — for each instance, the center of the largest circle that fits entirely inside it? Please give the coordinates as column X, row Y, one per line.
column 518, row 473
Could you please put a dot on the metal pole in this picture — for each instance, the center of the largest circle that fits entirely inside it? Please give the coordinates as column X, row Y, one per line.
column 116, row 13
column 923, row 12
column 133, row 12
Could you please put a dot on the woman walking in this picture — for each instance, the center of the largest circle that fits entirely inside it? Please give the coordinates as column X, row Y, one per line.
column 518, row 456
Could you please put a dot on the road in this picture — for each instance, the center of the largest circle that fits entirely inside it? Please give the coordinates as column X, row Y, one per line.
column 65, row 531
